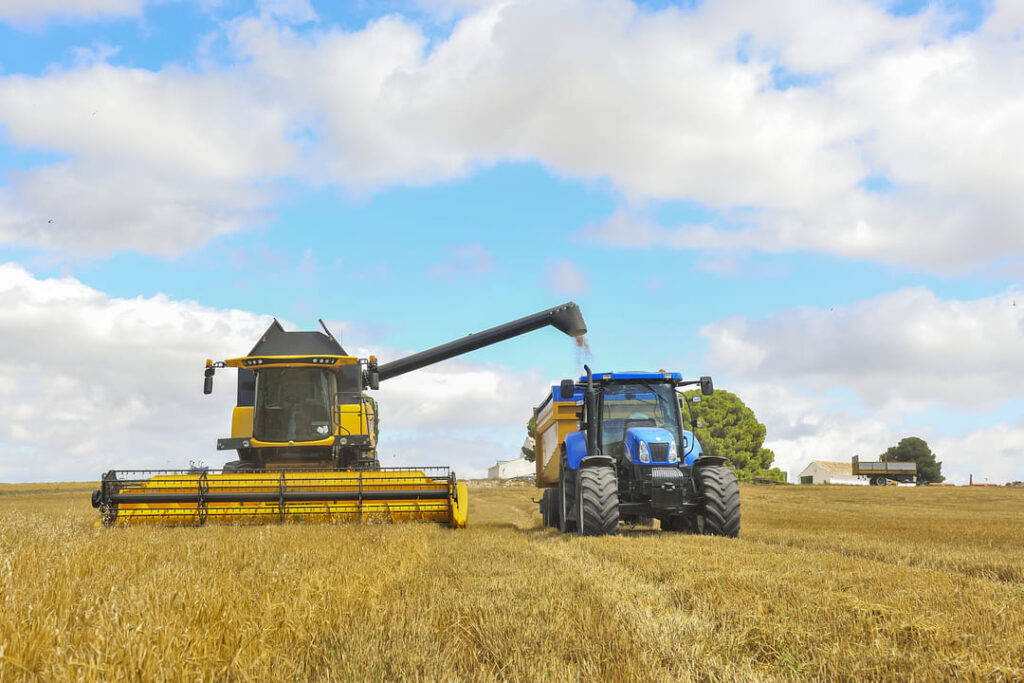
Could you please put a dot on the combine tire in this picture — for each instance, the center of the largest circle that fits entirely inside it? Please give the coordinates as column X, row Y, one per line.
column 598, row 497
column 721, row 493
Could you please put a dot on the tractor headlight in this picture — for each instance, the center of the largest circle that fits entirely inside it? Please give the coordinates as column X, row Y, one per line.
column 673, row 455
column 643, row 453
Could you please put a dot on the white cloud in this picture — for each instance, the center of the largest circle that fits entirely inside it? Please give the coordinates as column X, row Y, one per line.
column 565, row 277
column 832, row 383
column 805, row 426
column 464, row 260
column 994, row 454
column 96, row 382
column 157, row 162
column 291, row 11
column 34, row 12
column 665, row 105
column 905, row 350
column 90, row 383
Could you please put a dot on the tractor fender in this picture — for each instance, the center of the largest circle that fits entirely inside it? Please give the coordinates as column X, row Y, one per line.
column 597, row 461
column 709, row 461
column 575, row 449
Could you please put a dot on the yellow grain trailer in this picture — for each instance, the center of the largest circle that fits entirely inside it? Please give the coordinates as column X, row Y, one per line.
column 305, row 431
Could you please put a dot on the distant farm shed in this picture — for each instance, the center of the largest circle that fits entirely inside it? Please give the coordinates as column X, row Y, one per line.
column 827, row 472
column 510, row 469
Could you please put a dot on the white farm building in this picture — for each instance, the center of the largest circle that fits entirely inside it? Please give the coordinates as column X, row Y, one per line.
column 509, row 469
column 827, row 472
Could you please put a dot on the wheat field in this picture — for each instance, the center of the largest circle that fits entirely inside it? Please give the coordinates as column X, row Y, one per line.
column 829, row 583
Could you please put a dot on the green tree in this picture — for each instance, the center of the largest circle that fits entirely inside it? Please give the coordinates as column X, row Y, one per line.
column 914, row 449
column 531, row 430
column 726, row 427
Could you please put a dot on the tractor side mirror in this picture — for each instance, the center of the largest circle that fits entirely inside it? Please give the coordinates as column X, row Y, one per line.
column 567, row 389
column 707, row 387
column 208, row 380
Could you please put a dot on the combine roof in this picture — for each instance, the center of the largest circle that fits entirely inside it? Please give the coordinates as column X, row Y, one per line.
column 277, row 342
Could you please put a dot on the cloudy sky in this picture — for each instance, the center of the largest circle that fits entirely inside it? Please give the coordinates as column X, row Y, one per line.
column 818, row 202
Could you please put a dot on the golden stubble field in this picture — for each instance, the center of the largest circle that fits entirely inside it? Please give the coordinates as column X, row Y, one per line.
column 824, row 583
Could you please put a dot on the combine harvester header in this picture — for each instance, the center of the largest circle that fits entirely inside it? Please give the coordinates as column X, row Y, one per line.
column 306, row 436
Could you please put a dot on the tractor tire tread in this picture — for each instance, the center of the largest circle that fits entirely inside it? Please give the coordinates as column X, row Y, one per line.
column 721, row 508
column 599, row 501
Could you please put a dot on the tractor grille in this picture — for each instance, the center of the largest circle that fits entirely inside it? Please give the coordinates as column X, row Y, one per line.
column 659, row 452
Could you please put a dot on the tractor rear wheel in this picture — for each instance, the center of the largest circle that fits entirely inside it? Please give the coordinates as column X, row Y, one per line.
column 597, row 496
column 721, row 510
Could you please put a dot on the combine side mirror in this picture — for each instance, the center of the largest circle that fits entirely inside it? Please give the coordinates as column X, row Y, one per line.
column 567, row 389
column 373, row 380
column 208, row 381
column 707, row 387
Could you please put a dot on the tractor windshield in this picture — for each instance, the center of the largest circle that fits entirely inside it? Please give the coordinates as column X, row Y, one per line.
column 293, row 404
column 636, row 404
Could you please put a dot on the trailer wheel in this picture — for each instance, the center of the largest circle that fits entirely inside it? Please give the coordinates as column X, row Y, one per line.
column 565, row 499
column 597, row 495
column 878, row 480
column 678, row 523
column 721, row 510
column 549, row 508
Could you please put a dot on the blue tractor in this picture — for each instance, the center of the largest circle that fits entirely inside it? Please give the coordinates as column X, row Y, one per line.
column 616, row 447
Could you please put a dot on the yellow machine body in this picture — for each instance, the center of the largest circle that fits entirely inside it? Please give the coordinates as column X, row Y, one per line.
column 554, row 420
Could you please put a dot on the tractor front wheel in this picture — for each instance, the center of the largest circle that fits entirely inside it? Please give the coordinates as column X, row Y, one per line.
column 597, row 497
column 721, row 493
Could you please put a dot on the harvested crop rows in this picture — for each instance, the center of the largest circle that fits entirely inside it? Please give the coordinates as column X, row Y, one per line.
column 824, row 582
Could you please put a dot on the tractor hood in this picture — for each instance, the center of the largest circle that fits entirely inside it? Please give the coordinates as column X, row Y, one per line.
column 651, row 445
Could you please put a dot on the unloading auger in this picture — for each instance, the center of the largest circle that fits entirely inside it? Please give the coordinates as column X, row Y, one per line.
column 305, row 431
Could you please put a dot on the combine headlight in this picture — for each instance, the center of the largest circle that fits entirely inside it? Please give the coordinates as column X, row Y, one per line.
column 643, row 453
column 673, row 456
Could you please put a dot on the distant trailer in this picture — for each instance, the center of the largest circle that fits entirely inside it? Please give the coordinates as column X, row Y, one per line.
column 880, row 472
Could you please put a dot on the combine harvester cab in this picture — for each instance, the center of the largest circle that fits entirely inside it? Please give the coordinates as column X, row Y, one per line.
column 305, row 431
column 613, row 447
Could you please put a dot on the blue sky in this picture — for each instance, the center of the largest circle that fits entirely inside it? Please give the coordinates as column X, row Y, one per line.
column 816, row 203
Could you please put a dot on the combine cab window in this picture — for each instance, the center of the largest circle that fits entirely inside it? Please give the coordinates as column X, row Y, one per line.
column 636, row 405
column 293, row 404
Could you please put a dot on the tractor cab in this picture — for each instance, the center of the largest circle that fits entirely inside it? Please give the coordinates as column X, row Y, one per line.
column 640, row 418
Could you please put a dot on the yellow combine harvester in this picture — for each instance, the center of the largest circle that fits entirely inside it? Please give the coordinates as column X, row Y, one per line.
column 306, row 436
